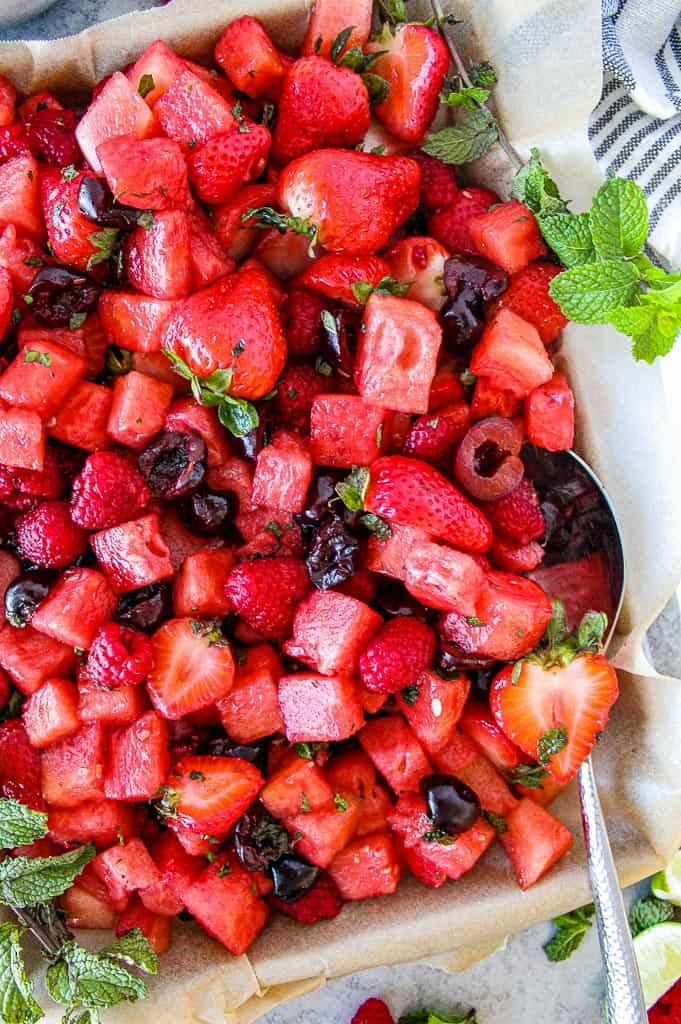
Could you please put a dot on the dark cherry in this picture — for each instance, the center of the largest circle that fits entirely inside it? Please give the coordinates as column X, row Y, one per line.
column 322, row 491
column 259, row 840
column 392, row 598
column 461, row 319
column 476, row 273
column 24, row 594
column 173, row 464
column 293, row 877
column 96, row 202
column 249, row 446
column 451, row 805
column 338, row 343
column 223, row 746
column 145, row 608
column 333, row 555
column 59, row 293
column 184, row 739
column 482, row 679
column 209, row 512
column 451, row 659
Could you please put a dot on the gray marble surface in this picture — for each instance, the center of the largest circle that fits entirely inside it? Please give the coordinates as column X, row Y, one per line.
column 517, row 984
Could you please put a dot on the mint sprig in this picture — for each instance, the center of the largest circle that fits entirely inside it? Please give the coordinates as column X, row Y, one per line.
column 386, row 286
column 235, row 414
column 25, row 881
column 267, row 217
column 647, row 912
column 20, row 824
column 570, row 931
column 17, row 1005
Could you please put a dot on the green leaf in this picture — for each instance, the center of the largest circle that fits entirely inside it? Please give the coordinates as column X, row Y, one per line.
column 92, row 980
column 393, row 11
column 570, row 930
column 436, row 835
column 238, row 416
column 534, row 186
column 588, row 294
column 376, row 86
column 435, row 1017
column 591, row 631
column 552, row 742
column 468, row 97
column 386, row 286
column 32, row 355
column 496, row 821
column 483, row 74
column 653, row 330
column 557, row 629
column 647, row 912
column 410, row 694
column 219, row 381
column 17, row 1005
column 146, row 220
column 341, row 804
column 19, row 824
column 353, row 488
column 104, row 242
column 118, row 360
column 69, row 172
column 530, row 776
column 77, row 320
column 133, row 948
column 619, row 219
column 13, row 707
column 146, row 85
column 376, row 525
column 569, row 235
column 475, row 134
column 25, row 881
column 340, row 43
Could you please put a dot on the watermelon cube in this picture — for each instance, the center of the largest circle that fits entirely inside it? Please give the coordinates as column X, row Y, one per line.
column 138, row 759
column 550, row 415
column 324, row 832
column 199, row 587
column 534, row 840
column 352, row 773
column 119, row 706
column 88, row 341
column 395, row 752
column 158, row 258
column 72, row 770
column 30, row 658
column 389, row 556
column 420, row 866
column 440, row 577
column 459, row 752
column 126, row 867
column 91, row 881
column 19, row 766
column 397, row 353
column 41, row 377
column 580, row 585
column 488, row 784
column 160, row 65
column 346, row 432
column 19, row 196
column 10, row 568
column 508, row 235
column 77, row 605
column 83, row 417
column 155, row 927
column 478, row 722
column 227, row 905
column 14, row 251
column 133, row 554
column 191, row 111
column 283, row 472
column 251, row 709
column 489, row 400
column 367, row 867
column 139, row 408
column 177, row 869
column 320, row 708
column 298, row 777
column 117, row 109
column 135, row 322
column 511, row 355
column 101, row 821
column 51, row 713
column 149, row 174
column 411, row 823
column 85, row 911
column 544, row 793
column 436, row 708
column 330, row 631
column 22, row 438
column 250, row 59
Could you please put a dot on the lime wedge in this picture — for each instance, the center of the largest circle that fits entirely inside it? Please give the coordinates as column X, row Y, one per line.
column 658, row 951
column 666, row 885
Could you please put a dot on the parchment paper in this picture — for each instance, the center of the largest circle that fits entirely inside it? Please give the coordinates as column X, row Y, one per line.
column 547, row 53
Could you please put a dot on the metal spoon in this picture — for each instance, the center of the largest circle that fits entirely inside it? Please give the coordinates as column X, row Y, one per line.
column 564, row 473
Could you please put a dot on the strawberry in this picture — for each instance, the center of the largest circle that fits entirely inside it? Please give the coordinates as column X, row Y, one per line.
column 442, row 578
column 413, row 60
column 108, row 490
column 265, row 593
column 518, row 516
column 298, row 387
column 397, row 654
column 554, row 708
column 432, row 437
column 438, row 182
column 250, row 59
column 334, row 276
column 329, row 18
column 508, row 235
column 48, row 536
column 373, row 1011
column 13, row 141
column 420, row 262
column 52, row 135
column 321, row 902
column 528, row 296
column 68, row 230
column 119, row 656
column 320, row 105
column 550, row 415
column 412, row 493
column 225, row 162
column 511, row 557
column 355, row 200
column 192, row 667
column 209, row 794
column 238, row 236
column 450, row 224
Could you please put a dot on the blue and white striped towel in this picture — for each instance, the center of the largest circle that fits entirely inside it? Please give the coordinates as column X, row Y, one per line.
column 636, row 129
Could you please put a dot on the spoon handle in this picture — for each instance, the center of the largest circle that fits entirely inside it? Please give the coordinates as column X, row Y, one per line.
column 624, row 996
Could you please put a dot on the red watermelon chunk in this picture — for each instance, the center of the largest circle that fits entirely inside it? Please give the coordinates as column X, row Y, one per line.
column 330, row 631
column 77, row 605
column 319, row 708
column 118, row 109
column 367, row 867
column 138, row 759
column 395, row 752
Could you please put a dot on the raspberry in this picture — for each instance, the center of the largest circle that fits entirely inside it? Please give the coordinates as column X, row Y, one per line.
column 518, row 515
column 438, row 182
column 48, row 536
column 432, row 437
column 119, row 656
column 51, row 133
column 299, row 385
column 511, row 557
column 108, row 490
column 303, row 311
column 396, row 656
column 20, row 489
column 450, row 225
column 528, row 296
column 373, row 1011
column 321, row 901
column 265, row 593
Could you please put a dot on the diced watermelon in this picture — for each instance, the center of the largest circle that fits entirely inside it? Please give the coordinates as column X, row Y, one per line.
column 40, row 378
column 72, row 770
column 83, row 417
column 251, row 709
column 160, row 65
column 395, row 752
column 490, row 787
column 116, row 707
column 410, row 821
column 283, row 791
column 31, row 658
column 324, row 832
column 283, row 472
column 186, row 414
column 135, row 322
column 118, row 109
column 83, row 910
column 580, row 585
column 102, row 822
column 367, row 867
column 459, row 752
column 19, row 196
column 534, row 840
column 208, row 258
column 511, row 355
column 351, row 772
column 330, row 631
column 250, row 59
column 177, row 870
column 550, row 415
column 320, row 708
column 508, row 235
column 155, row 927
column 199, row 587
column 77, row 605
column 22, row 438
column 227, row 905
column 51, row 713
column 19, row 766
column 133, row 554
column 345, row 431
column 389, row 556
column 435, row 709
column 125, row 867
column 139, row 408
column 138, row 759
column 420, row 866
column 149, row 174
column 191, row 111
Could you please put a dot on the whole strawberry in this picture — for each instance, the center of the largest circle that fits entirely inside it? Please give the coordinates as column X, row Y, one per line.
column 450, row 225
column 373, row 1011
column 303, row 317
column 48, row 536
column 108, row 490
column 224, row 163
column 321, row 901
column 265, row 593
column 119, row 656
column 438, row 182
column 397, row 655
column 518, row 515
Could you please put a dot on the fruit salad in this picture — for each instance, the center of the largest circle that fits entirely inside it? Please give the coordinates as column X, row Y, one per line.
column 287, row 615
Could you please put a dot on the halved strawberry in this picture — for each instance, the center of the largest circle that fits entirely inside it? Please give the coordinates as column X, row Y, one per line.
column 330, row 17
column 209, row 794
column 420, row 261
column 193, row 667
column 528, row 296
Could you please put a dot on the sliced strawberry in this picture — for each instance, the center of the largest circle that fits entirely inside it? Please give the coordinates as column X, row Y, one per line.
column 420, row 261
column 209, row 794
column 330, row 17
column 193, row 667
column 225, row 162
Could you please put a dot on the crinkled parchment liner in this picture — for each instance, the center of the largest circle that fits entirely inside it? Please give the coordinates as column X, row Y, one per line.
column 547, row 53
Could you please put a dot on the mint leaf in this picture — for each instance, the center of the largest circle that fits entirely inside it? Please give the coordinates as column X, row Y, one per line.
column 133, row 948
column 19, row 824
column 475, row 134
column 238, row 416
column 25, row 881
column 386, row 286
column 570, row 930
column 653, row 331
column 370, row 521
column 410, row 694
column 468, row 97
column 32, row 355
column 530, row 776
column 17, row 1005
column 146, row 85
column 534, row 186
column 104, row 242
column 552, row 742
column 483, row 74
column 569, row 235
column 91, row 980
column 352, row 490
column 619, row 219
column 645, row 913
column 496, row 821
column 435, row 1017
column 587, row 294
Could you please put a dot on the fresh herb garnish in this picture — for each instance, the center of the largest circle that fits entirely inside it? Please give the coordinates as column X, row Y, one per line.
column 236, row 414
column 570, row 930
column 647, row 912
